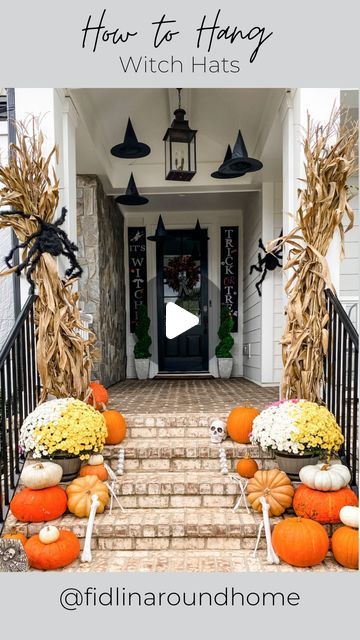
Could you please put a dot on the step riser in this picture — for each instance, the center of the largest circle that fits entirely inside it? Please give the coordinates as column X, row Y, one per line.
column 179, row 544
column 174, row 502
column 183, row 464
column 188, row 447
column 168, row 432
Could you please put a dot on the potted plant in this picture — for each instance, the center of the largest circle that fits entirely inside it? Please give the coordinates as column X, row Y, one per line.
column 65, row 431
column 299, row 432
column 141, row 349
column 226, row 343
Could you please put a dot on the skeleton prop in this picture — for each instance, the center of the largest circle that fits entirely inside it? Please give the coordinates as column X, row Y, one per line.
column 121, row 462
column 271, row 557
column 222, row 459
column 242, row 483
column 112, row 488
column 217, row 431
column 86, row 554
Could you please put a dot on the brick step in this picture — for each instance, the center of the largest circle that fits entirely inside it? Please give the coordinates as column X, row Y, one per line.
column 166, row 455
column 193, row 560
column 157, row 523
column 165, row 490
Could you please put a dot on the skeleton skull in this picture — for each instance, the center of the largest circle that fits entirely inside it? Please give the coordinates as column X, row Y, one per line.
column 217, row 431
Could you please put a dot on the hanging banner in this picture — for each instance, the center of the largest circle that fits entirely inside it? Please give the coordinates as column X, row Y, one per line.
column 229, row 271
column 137, row 271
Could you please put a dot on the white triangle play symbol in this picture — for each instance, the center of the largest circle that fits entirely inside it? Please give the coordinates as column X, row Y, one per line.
column 178, row 320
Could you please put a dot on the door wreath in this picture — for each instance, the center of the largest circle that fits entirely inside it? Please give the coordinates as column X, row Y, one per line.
column 182, row 273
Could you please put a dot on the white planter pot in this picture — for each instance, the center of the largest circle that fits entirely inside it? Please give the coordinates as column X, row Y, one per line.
column 142, row 368
column 225, row 367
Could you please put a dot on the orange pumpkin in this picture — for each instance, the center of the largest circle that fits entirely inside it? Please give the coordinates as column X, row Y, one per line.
column 345, row 547
column 94, row 470
column 98, row 396
column 300, row 542
column 239, row 423
column 16, row 535
column 322, row 506
column 116, row 426
column 247, row 467
column 39, row 505
column 54, row 555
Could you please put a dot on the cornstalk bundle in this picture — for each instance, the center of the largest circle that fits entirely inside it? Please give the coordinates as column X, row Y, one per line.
column 29, row 184
column 323, row 209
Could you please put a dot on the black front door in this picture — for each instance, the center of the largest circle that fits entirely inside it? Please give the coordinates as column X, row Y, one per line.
column 182, row 279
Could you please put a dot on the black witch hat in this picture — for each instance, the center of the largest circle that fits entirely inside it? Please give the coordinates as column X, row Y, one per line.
column 131, row 196
column 198, row 231
column 240, row 161
column 219, row 174
column 160, row 232
column 131, row 147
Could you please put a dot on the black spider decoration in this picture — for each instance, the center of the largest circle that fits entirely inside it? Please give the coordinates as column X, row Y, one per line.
column 269, row 262
column 48, row 239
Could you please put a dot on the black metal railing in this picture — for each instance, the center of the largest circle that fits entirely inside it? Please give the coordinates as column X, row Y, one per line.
column 19, row 391
column 340, row 391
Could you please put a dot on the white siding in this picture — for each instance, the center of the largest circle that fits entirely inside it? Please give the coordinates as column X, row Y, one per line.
column 252, row 230
column 278, row 288
column 350, row 266
column 6, row 287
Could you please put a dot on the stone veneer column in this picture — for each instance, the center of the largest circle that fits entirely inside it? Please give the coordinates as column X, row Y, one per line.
column 100, row 232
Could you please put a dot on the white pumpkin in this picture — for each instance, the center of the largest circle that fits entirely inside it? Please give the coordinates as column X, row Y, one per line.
column 325, row 477
column 42, row 475
column 350, row 516
column 96, row 459
column 49, row 534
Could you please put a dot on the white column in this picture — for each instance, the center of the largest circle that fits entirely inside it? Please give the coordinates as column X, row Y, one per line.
column 267, row 298
column 70, row 119
column 294, row 110
column 58, row 119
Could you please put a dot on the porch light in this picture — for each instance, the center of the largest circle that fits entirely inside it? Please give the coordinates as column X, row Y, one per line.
column 180, row 148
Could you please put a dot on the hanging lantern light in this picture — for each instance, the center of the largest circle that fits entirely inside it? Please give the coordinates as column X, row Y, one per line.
column 180, row 147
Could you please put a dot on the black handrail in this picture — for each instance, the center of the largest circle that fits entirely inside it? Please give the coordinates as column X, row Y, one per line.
column 340, row 389
column 19, row 393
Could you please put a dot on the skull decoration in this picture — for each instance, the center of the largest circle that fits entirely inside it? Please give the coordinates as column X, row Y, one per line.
column 217, row 431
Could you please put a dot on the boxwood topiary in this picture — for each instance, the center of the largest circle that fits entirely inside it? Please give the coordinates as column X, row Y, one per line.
column 141, row 348
column 226, row 343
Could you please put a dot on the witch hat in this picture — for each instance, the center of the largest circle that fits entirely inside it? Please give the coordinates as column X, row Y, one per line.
column 131, row 196
column 198, row 231
column 131, row 147
column 240, row 161
column 160, row 232
column 219, row 174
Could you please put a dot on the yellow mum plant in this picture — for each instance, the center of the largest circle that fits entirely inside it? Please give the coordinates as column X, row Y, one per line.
column 64, row 427
column 298, row 427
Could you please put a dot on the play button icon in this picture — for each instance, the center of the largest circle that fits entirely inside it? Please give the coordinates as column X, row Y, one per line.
column 178, row 320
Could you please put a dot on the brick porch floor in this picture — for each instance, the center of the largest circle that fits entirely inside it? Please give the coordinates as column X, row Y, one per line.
column 188, row 396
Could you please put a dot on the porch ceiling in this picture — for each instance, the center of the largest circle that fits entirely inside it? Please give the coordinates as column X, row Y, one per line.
column 216, row 113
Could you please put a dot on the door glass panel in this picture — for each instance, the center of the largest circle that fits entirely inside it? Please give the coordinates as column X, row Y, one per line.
column 182, row 274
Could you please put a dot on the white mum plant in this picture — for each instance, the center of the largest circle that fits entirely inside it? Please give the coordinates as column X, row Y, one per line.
column 274, row 427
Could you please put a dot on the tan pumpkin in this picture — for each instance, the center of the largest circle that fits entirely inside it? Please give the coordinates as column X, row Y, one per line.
column 275, row 486
column 80, row 492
